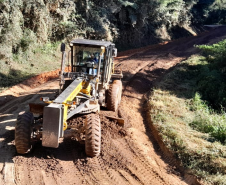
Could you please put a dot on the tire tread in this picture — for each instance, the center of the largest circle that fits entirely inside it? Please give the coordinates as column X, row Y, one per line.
column 23, row 132
column 93, row 135
column 115, row 90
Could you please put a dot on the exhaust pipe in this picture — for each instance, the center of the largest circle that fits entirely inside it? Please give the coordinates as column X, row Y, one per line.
column 62, row 48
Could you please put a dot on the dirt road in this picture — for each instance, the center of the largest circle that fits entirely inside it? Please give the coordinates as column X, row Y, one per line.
column 129, row 155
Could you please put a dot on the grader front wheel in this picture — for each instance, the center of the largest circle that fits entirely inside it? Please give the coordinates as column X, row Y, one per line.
column 114, row 95
column 23, row 132
column 93, row 135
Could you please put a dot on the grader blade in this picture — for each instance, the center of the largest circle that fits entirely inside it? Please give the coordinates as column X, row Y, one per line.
column 120, row 121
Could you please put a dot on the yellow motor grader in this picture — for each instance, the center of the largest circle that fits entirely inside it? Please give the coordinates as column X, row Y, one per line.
column 89, row 84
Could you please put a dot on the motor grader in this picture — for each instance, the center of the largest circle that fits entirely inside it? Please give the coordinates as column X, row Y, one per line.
column 90, row 83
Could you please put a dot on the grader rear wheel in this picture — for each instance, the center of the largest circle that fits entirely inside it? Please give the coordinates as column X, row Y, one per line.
column 23, row 132
column 114, row 95
column 93, row 135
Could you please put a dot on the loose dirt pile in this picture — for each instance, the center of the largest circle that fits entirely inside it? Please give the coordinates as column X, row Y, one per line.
column 129, row 155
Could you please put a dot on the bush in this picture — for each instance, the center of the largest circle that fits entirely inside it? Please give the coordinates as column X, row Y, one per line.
column 27, row 40
column 215, row 53
column 212, row 80
column 208, row 121
column 12, row 78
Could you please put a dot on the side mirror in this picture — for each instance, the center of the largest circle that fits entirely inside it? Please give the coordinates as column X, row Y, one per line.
column 62, row 47
column 114, row 52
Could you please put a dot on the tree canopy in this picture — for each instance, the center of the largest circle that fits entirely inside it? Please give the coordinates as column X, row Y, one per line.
column 129, row 23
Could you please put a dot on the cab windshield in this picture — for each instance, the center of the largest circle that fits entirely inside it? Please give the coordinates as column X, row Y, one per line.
column 86, row 59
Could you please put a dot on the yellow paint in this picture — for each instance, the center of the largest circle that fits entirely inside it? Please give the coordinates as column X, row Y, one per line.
column 70, row 98
column 69, row 103
column 102, row 50
column 74, row 93
column 65, row 116
column 48, row 102
column 87, row 90
column 65, row 126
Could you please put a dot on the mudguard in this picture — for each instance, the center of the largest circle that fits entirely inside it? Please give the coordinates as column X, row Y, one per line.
column 52, row 125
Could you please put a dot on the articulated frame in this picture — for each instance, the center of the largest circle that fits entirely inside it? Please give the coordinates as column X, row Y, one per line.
column 57, row 113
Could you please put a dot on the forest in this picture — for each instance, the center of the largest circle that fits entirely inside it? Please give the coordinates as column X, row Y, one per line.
column 25, row 25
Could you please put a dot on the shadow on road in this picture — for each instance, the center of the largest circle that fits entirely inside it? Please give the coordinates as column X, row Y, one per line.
column 8, row 115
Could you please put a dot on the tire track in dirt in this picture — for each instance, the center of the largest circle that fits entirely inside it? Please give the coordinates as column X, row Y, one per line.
column 99, row 173
column 138, row 79
column 8, row 115
column 140, row 169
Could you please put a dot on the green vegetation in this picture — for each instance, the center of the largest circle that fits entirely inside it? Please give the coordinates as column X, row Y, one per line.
column 27, row 26
column 214, row 12
column 213, row 73
column 130, row 23
column 188, row 109
column 29, row 63
column 30, row 31
column 206, row 120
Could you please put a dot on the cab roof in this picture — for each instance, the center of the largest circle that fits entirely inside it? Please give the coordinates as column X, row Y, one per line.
column 92, row 42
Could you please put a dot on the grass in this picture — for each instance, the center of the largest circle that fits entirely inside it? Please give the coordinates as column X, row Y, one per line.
column 209, row 121
column 29, row 63
column 188, row 125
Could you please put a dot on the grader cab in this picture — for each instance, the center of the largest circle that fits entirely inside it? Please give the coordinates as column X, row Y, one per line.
column 89, row 84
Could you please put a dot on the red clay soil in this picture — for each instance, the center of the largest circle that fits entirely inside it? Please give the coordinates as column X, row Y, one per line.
column 129, row 155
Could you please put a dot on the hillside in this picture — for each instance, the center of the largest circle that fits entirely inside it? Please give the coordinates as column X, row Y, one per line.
column 134, row 23
column 30, row 32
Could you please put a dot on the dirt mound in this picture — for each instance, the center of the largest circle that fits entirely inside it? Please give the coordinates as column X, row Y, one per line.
column 27, row 85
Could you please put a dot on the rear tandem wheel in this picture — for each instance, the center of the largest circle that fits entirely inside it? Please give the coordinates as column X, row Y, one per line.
column 114, row 95
column 23, row 131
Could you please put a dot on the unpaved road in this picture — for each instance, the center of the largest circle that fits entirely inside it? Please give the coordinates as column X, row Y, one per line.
column 129, row 155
